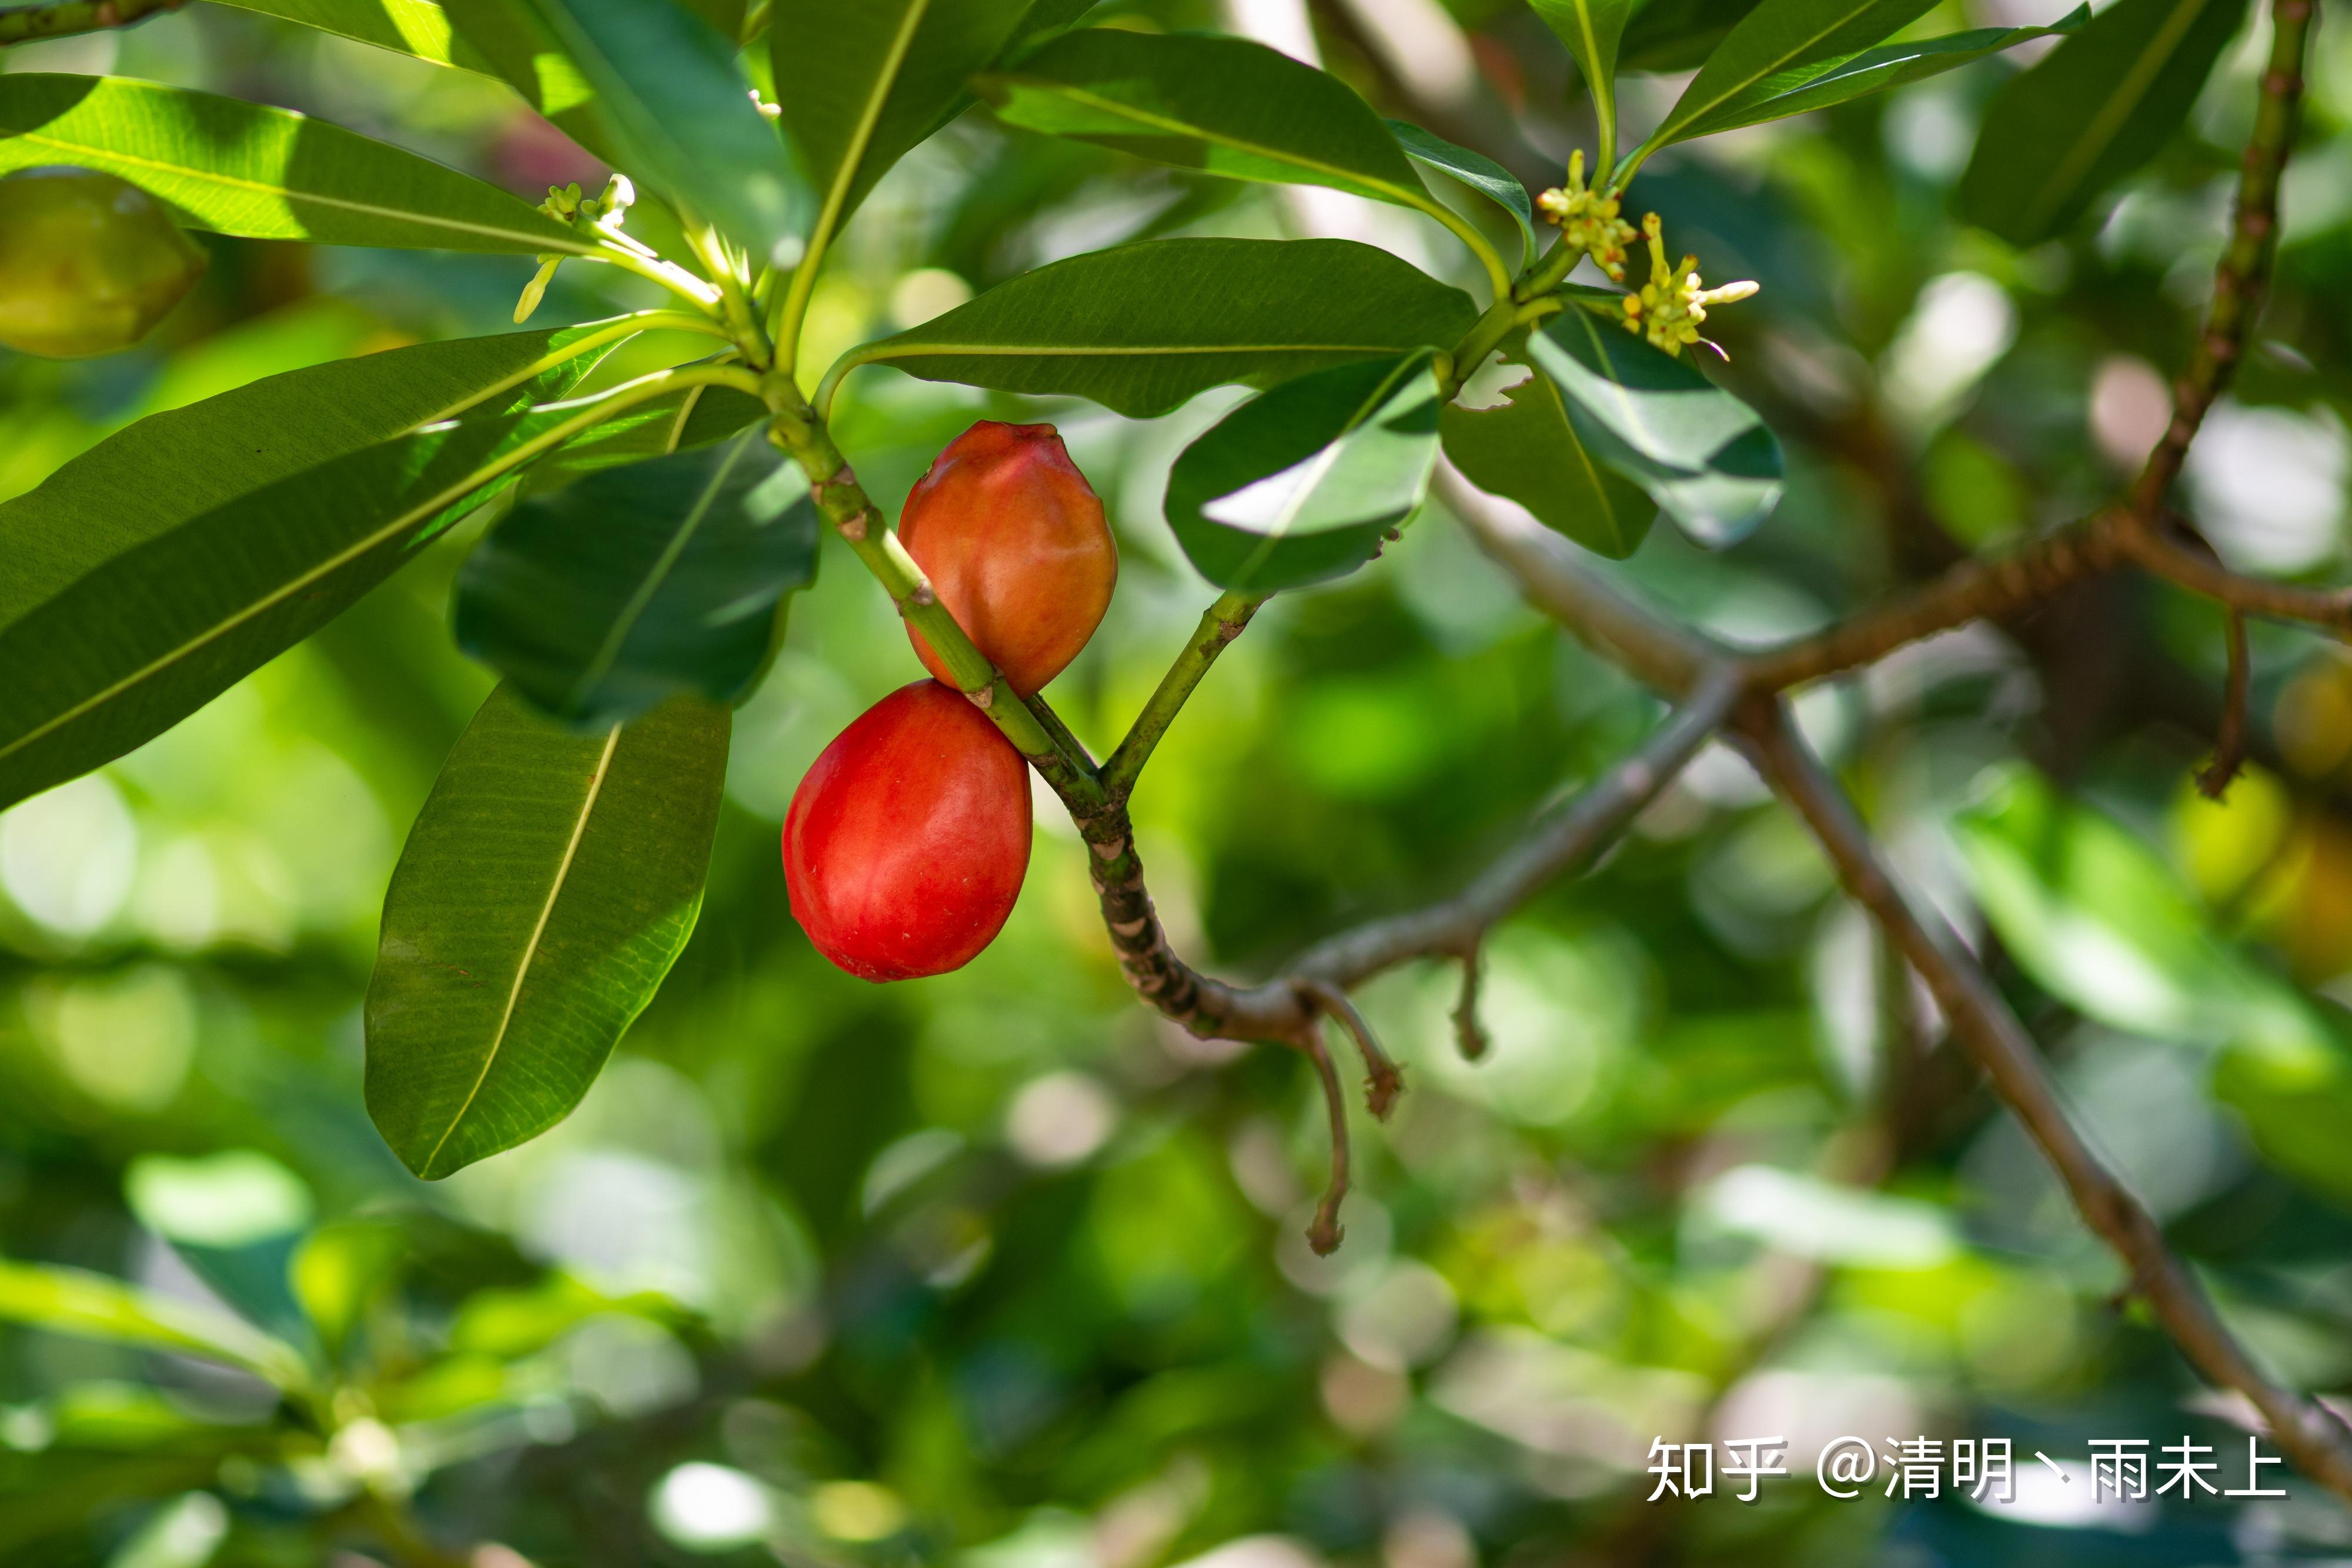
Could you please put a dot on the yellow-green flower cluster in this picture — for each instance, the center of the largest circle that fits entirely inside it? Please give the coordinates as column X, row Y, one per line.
column 565, row 205
column 1588, row 220
column 1671, row 306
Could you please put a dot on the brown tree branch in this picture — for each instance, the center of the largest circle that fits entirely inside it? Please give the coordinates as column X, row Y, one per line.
column 2229, row 742
column 1985, row 1027
column 26, row 24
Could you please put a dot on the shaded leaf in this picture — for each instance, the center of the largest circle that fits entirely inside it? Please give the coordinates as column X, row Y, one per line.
column 1592, row 29
column 1527, row 450
column 1779, row 36
column 1700, row 453
column 682, row 119
column 1678, row 34
column 1144, row 328
column 548, row 886
column 682, row 421
column 1223, row 106
column 516, row 44
column 239, row 168
column 2099, row 106
column 1889, row 66
column 235, row 1218
column 93, row 1306
column 1302, row 482
column 639, row 582
column 1478, row 171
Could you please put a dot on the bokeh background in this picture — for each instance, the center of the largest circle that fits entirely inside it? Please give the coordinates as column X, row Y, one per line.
column 997, row 1271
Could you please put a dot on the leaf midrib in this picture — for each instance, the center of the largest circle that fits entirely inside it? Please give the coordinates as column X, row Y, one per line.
column 998, row 351
column 617, row 637
column 1389, row 190
column 1676, row 121
column 530, row 948
column 861, row 136
column 1329, row 457
column 290, row 195
column 341, row 558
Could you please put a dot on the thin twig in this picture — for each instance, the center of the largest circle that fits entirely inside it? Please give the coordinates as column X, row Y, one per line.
column 24, row 23
column 1469, row 1035
column 2230, row 743
column 1384, row 1078
column 1219, row 626
column 1326, row 1232
column 2161, row 551
column 1985, row 1028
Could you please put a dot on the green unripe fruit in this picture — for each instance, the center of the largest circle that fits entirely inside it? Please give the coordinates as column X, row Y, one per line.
column 88, row 263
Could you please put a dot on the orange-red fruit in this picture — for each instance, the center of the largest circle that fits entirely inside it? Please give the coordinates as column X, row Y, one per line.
column 906, row 842
column 1013, row 542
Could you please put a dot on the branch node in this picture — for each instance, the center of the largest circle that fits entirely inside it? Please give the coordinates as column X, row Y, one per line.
column 984, row 697
column 1384, row 1078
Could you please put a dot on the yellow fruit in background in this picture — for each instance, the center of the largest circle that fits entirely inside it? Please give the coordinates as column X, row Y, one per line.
column 88, row 263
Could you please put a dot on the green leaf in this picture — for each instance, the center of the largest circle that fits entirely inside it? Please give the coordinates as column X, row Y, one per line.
column 520, row 47
column 1303, row 483
column 1700, row 453
column 1779, row 36
column 1223, row 106
column 1478, row 171
column 548, row 886
column 1144, row 328
column 682, row 421
column 235, row 1218
column 860, row 85
column 2101, row 105
column 143, row 482
column 1592, row 29
column 417, row 28
column 239, row 168
column 640, row 583
column 1889, row 66
column 1527, row 450
column 92, row 1306
column 151, row 631
column 1678, row 34
column 682, row 117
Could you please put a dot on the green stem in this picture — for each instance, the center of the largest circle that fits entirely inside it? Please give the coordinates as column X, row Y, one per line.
column 1498, row 272
column 1222, row 623
column 734, row 305
column 843, row 502
column 1549, row 272
column 700, row 292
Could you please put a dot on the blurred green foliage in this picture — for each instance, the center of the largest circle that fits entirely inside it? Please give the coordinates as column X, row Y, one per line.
column 995, row 1269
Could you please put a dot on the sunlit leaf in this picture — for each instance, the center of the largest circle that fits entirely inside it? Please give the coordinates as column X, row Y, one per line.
column 1702, row 455
column 92, row 1306
column 240, row 168
column 682, row 117
column 548, row 886
column 639, row 582
column 1144, row 328
column 1527, row 450
column 1593, row 30
column 1777, row 37
column 1223, row 106
column 1304, row 482
column 2102, row 104
column 1889, row 66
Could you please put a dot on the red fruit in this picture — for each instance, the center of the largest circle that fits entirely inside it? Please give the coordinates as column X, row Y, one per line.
column 906, row 842
column 1013, row 542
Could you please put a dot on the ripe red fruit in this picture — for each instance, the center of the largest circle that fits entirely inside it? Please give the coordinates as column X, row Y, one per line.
column 1013, row 542
column 906, row 842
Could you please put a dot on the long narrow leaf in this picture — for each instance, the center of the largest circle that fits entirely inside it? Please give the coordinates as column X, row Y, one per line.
column 1887, row 67
column 2101, row 105
column 548, row 886
column 1478, row 171
column 240, row 168
column 1777, row 36
column 1143, row 328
